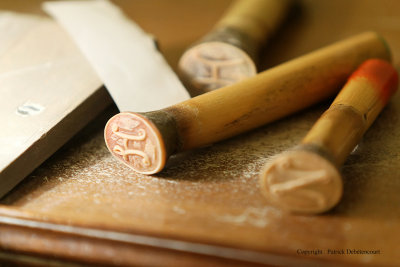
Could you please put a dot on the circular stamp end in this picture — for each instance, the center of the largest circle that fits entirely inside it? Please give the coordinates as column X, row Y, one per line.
column 211, row 65
column 303, row 182
column 135, row 141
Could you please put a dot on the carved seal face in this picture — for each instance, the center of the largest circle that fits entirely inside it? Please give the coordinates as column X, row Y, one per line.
column 302, row 181
column 135, row 141
column 212, row 65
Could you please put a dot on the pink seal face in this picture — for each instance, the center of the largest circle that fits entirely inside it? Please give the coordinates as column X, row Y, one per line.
column 135, row 141
column 302, row 181
column 212, row 65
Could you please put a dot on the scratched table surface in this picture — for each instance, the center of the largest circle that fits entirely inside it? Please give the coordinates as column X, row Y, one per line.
column 82, row 207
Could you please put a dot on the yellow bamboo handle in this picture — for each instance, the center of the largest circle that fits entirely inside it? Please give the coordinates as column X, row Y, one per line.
column 256, row 18
column 307, row 179
column 273, row 93
column 229, row 111
column 228, row 53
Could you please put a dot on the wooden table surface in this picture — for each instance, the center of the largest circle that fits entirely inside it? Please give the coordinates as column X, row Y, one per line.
column 83, row 207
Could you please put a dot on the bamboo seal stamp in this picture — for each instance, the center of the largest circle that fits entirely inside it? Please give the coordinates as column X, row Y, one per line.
column 136, row 142
column 234, row 109
column 216, row 64
column 229, row 52
column 302, row 181
column 307, row 179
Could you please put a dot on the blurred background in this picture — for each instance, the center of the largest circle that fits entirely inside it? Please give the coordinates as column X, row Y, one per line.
column 311, row 23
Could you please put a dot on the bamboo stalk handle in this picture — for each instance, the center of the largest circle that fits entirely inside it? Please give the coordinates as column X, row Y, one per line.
column 226, row 112
column 228, row 53
column 306, row 179
column 256, row 18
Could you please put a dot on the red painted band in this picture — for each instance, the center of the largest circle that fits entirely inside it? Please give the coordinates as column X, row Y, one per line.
column 382, row 74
